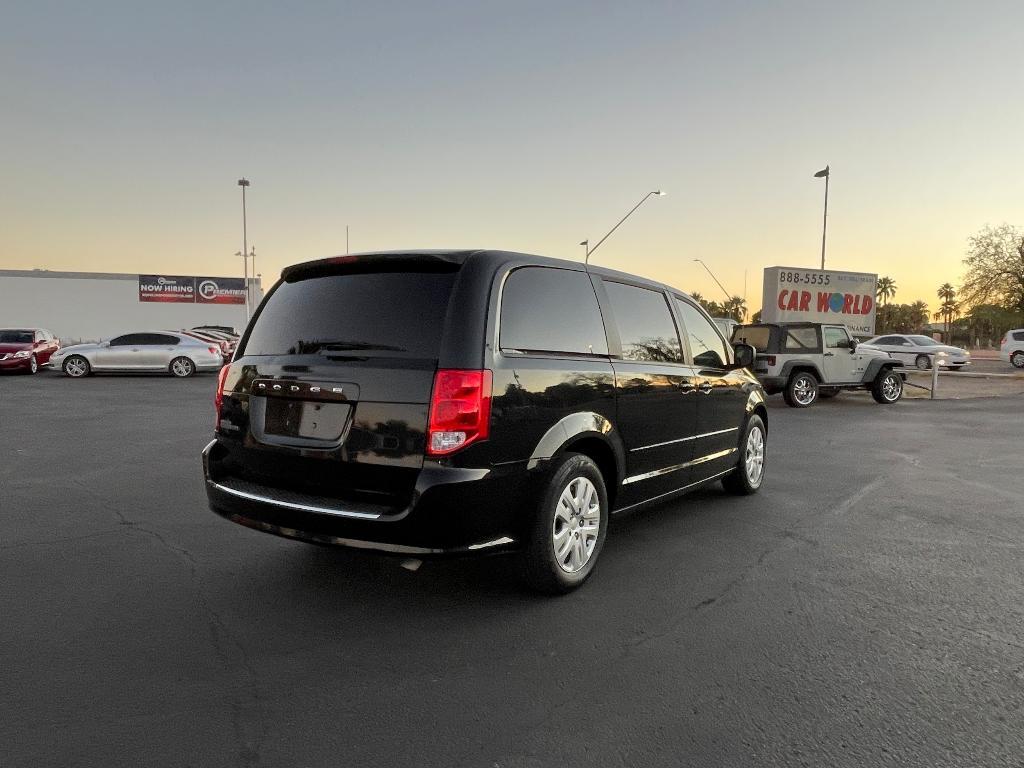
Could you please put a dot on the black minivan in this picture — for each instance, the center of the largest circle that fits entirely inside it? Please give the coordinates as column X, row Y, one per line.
column 443, row 402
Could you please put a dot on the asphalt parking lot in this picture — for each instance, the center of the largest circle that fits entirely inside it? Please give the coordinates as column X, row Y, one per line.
column 866, row 608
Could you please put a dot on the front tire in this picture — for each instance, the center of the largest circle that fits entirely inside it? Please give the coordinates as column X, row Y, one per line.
column 801, row 390
column 1017, row 359
column 923, row 362
column 182, row 367
column 746, row 479
column 33, row 365
column 887, row 387
column 76, row 367
column 569, row 527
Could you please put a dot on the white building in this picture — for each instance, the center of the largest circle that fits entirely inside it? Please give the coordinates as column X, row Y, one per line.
column 98, row 305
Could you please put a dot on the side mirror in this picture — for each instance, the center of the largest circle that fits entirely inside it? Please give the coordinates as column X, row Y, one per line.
column 744, row 355
column 853, row 345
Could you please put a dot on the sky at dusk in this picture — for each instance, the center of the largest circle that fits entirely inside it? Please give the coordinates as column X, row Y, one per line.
column 522, row 126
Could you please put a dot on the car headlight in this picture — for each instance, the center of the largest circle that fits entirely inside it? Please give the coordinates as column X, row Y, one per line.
column 23, row 354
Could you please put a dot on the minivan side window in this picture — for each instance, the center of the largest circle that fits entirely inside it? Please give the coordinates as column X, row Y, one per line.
column 551, row 310
column 644, row 321
column 1018, row 336
column 706, row 345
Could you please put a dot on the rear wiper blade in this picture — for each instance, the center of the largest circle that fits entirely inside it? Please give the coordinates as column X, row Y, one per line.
column 342, row 345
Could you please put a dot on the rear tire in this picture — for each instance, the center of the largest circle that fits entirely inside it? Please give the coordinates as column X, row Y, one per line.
column 746, row 479
column 801, row 390
column 182, row 367
column 1017, row 359
column 569, row 527
column 887, row 387
column 76, row 367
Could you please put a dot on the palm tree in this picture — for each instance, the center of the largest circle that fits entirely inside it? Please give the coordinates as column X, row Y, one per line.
column 736, row 308
column 919, row 314
column 886, row 289
column 949, row 306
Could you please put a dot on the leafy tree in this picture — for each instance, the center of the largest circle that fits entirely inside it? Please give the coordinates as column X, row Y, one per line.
column 886, row 289
column 995, row 268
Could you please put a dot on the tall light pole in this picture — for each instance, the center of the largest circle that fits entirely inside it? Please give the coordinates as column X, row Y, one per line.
column 824, row 219
column 643, row 200
column 727, row 296
column 243, row 183
column 252, row 255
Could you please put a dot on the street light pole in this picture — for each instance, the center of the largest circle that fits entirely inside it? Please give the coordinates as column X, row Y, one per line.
column 252, row 255
column 727, row 296
column 824, row 219
column 243, row 183
column 643, row 200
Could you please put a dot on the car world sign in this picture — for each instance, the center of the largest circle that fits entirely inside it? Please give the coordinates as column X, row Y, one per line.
column 795, row 295
column 192, row 290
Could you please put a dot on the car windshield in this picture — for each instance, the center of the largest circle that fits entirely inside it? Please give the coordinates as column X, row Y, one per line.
column 16, row 337
column 924, row 341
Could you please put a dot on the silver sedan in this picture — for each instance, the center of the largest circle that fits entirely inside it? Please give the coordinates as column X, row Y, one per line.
column 920, row 351
column 152, row 351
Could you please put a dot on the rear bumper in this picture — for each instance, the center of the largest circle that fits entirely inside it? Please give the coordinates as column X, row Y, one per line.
column 772, row 384
column 454, row 511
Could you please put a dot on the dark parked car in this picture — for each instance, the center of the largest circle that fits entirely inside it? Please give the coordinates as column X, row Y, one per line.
column 26, row 349
column 476, row 401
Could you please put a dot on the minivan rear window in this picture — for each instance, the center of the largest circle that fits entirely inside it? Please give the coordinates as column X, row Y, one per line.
column 386, row 314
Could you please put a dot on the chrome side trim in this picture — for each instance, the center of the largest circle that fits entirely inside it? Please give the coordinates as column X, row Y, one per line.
column 677, row 467
column 293, row 505
column 686, row 439
column 669, row 493
column 489, row 544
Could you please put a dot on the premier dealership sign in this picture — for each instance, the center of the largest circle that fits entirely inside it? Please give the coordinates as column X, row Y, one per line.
column 180, row 289
column 793, row 295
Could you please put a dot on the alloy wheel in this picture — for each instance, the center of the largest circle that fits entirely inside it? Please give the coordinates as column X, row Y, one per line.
column 76, row 367
column 182, row 367
column 804, row 390
column 1017, row 359
column 576, row 525
column 892, row 387
column 753, row 459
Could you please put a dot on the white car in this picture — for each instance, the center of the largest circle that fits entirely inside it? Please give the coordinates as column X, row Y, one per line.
column 920, row 351
column 152, row 351
column 1011, row 348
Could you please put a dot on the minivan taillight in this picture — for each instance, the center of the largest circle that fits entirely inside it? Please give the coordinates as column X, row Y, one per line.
column 218, row 399
column 460, row 410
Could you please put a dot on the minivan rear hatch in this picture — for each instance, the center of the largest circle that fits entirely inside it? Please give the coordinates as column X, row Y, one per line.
column 329, row 392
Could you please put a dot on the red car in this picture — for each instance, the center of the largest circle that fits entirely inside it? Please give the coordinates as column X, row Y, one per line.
column 26, row 349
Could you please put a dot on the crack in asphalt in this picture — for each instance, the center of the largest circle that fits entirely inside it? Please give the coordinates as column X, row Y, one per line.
column 249, row 745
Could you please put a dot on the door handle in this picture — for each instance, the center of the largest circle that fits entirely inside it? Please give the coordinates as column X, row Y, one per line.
column 829, row 354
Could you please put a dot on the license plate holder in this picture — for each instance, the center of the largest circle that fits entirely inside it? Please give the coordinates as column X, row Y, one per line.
column 307, row 419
